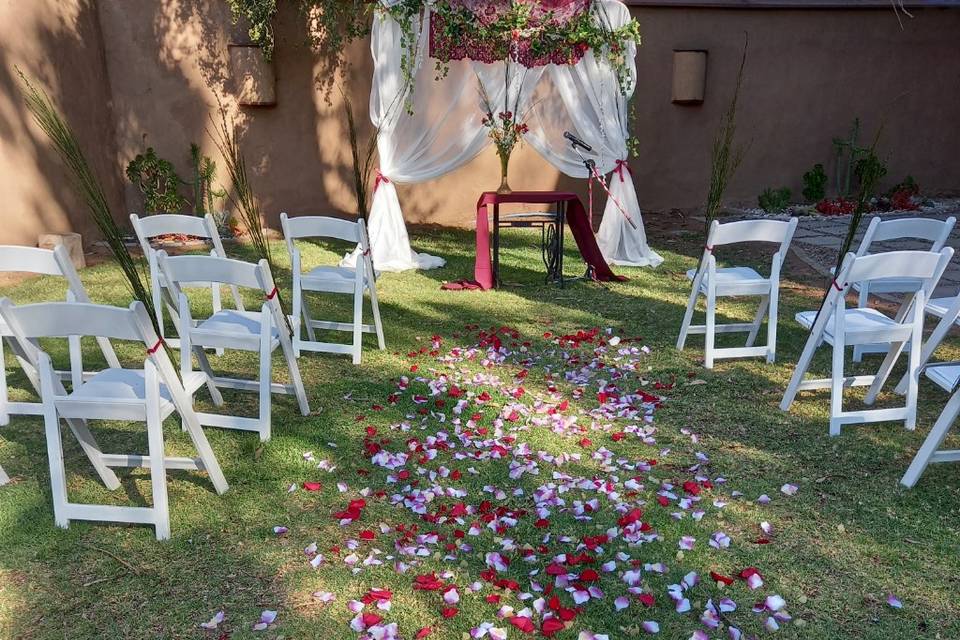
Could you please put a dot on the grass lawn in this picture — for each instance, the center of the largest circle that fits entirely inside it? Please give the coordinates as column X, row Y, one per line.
column 848, row 537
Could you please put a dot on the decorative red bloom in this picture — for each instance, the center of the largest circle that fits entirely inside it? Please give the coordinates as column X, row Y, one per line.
column 691, row 487
column 523, row 623
column 551, row 627
column 353, row 511
column 716, row 577
column 427, row 582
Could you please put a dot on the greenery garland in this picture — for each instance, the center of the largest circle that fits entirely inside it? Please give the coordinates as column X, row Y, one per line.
column 333, row 24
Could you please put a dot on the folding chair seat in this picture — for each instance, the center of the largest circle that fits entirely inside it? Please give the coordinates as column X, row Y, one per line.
column 923, row 231
column 840, row 327
column 735, row 280
column 54, row 262
column 162, row 224
column 261, row 332
column 150, row 394
column 713, row 282
column 331, row 279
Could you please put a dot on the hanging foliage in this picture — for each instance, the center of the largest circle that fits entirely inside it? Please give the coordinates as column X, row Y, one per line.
column 532, row 33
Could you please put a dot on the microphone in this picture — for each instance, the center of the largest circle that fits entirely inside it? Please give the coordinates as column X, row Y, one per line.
column 577, row 142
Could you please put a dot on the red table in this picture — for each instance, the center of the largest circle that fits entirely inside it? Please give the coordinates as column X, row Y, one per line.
column 576, row 217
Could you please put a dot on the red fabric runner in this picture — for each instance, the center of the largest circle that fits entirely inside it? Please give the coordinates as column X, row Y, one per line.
column 576, row 217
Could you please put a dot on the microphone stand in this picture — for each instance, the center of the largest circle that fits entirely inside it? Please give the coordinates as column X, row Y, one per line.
column 593, row 173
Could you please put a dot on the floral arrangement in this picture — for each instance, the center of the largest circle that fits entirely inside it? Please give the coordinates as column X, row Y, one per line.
column 531, row 33
column 506, row 127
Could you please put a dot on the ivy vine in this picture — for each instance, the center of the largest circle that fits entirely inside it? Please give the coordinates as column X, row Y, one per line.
column 334, row 24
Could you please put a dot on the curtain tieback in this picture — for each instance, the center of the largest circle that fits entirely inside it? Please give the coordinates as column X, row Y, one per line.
column 621, row 165
column 380, row 179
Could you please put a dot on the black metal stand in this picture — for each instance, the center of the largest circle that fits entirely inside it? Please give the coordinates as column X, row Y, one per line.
column 551, row 239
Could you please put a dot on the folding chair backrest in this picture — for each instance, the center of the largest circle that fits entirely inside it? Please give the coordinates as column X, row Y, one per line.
column 930, row 229
column 322, row 227
column 161, row 224
column 927, row 266
column 66, row 319
column 778, row 231
column 32, row 322
column 47, row 262
column 29, row 260
column 181, row 270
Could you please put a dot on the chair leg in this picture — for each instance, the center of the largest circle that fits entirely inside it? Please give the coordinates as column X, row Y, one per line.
column 58, row 473
column 913, row 370
column 93, row 453
column 862, row 302
column 772, row 314
column 4, row 478
column 266, row 378
column 710, row 335
column 158, row 468
column 688, row 315
column 204, row 363
column 308, row 320
column 377, row 323
column 883, row 373
column 4, row 396
column 836, row 390
column 933, row 442
column 758, row 320
column 357, row 323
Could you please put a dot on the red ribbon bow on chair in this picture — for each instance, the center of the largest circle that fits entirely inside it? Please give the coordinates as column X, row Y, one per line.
column 380, row 179
column 621, row 165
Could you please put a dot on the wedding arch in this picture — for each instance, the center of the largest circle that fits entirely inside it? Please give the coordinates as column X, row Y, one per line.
column 430, row 119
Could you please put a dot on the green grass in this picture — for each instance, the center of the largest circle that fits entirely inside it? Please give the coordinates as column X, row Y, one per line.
column 846, row 539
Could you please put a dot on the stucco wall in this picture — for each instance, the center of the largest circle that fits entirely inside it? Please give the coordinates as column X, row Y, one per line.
column 58, row 45
column 809, row 73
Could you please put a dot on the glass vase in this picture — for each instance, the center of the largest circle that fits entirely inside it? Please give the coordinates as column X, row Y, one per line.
column 504, row 169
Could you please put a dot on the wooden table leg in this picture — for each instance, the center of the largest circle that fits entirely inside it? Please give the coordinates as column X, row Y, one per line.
column 496, row 245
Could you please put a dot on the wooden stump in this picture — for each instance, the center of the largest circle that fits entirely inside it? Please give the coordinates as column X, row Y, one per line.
column 72, row 241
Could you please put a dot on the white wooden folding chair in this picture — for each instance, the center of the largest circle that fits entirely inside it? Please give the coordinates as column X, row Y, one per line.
column 713, row 282
column 840, row 327
column 260, row 331
column 931, row 233
column 54, row 262
column 947, row 376
column 331, row 279
column 149, row 394
column 162, row 224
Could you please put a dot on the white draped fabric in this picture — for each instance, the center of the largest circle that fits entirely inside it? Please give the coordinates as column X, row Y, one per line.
column 443, row 131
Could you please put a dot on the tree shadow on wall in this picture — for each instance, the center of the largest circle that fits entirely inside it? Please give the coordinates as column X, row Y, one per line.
column 60, row 56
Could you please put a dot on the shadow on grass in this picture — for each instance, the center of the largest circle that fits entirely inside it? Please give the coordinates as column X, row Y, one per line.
column 224, row 554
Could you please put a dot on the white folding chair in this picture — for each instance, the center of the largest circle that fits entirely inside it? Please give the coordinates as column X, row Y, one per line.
column 947, row 376
column 926, row 230
column 149, row 394
column 162, row 224
column 840, row 327
column 331, row 279
column 54, row 262
column 712, row 283
column 258, row 331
